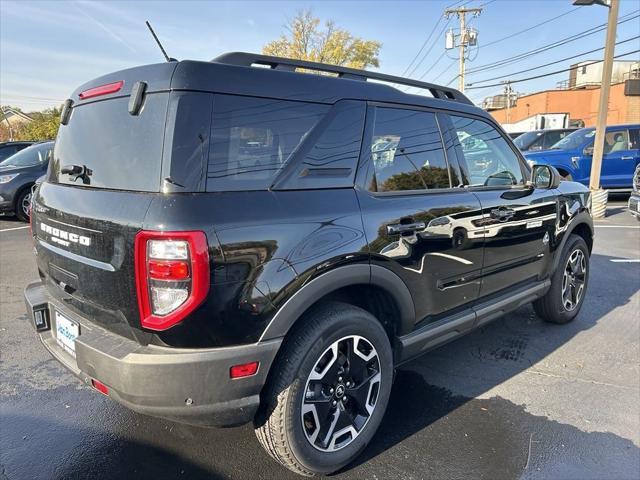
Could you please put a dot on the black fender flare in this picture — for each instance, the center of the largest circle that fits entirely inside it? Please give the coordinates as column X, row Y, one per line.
column 333, row 280
column 581, row 218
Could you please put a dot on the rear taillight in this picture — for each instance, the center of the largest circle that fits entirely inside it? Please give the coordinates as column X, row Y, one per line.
column 172, row 276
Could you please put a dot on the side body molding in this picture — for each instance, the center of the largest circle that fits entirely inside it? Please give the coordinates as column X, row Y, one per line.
column 333, row 280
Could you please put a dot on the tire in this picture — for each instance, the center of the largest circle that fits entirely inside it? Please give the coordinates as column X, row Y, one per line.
column 555, row 307
column 22, row 203
column 288, row 424
column 566, row 176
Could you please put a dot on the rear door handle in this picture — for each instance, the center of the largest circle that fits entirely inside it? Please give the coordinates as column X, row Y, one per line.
column 626, row 158
column 406, row 227
column 502, row 214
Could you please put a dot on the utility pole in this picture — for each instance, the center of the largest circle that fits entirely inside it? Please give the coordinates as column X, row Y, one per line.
column 467, row 37
column 508, row 91
column 603, row 108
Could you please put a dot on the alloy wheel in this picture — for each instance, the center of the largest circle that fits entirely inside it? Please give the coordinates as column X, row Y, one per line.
column 341, row 393
column 26, row 205
column 573, row 280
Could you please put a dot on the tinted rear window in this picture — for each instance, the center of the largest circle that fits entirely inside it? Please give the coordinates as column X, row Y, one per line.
column 123, row 151
column 253, row 138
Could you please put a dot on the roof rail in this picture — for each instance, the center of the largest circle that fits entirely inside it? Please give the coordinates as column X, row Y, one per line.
column 280, row 63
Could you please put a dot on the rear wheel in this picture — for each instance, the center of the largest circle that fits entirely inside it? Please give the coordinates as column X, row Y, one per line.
column 23, row 205
column 569, row 283
column 328, row 392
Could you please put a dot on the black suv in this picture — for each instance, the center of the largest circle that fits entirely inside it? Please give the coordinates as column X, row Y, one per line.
column 220, row 243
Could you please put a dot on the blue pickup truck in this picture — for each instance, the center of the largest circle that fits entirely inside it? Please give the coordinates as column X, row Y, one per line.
column 572, row 156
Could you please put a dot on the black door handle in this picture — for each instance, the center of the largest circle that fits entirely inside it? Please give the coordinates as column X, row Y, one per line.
column 406, row 227
column 502, row 214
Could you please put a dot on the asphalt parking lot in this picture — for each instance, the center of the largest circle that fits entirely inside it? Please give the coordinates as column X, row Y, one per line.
column 516, row 399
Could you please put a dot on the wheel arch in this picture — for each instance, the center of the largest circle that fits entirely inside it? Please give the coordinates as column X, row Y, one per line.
column 374, row 288
column 582, row 225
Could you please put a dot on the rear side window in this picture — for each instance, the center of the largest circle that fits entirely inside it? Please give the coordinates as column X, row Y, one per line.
column 407, row 151
column 253, row 138
column 488, row 158
column 123, row 151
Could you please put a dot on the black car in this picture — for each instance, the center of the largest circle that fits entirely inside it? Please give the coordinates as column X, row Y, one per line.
column 18, row 174
column 219, row 243
column 11, row 148
column 541, row 139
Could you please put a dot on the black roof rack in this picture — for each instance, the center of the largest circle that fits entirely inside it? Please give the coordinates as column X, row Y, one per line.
column 288, row 64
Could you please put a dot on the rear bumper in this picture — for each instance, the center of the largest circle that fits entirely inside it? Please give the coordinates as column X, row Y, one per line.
column 185, row 385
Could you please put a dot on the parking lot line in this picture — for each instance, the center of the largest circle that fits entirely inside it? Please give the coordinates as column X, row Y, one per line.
column 14, row 228
column 618, row 226
column 625, row 260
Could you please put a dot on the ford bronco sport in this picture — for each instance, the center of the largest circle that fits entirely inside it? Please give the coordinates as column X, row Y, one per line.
column 220, row 243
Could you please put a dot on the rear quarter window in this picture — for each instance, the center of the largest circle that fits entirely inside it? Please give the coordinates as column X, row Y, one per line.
column 252, row 139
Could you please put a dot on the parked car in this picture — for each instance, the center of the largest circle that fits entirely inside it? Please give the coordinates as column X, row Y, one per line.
column 541, row 139
column 514, row 135
column 634, row 199
column 572, row 156
column 190, row 277
column 18, row 174
column 11, row 148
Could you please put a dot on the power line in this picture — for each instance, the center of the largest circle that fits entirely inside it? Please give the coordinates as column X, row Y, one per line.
column 422, row 47
column 426, row 54
column 558, row 43
column 531, row 27
column 553, row 63
column 551, row 73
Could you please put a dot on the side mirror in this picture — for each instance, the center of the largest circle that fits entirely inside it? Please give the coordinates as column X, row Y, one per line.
column 588, row 151
column 545, row 177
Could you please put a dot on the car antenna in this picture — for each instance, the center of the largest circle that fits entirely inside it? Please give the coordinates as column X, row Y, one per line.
column 155, row 37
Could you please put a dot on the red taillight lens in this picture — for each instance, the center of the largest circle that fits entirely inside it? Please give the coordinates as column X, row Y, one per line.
column 102, row 90
column 101, row 387
column 168, row 270
column 244, row 370
column 172, row 276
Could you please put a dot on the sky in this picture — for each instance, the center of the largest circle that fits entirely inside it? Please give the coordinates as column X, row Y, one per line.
column 48, row 48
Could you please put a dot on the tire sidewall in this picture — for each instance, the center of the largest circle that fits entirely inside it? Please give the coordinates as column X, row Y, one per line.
column 324, row 462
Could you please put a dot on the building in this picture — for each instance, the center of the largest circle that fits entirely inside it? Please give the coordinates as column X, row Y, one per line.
column 579, row 97
column 14, row 117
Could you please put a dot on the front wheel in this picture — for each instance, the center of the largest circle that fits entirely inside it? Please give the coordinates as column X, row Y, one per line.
column 569, row 284
column 328, row 391
column 23, row 205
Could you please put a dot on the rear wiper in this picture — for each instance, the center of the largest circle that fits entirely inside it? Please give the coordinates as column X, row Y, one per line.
column 78, row 171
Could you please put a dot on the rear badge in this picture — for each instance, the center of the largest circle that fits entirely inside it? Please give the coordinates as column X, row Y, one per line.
column 63, row 237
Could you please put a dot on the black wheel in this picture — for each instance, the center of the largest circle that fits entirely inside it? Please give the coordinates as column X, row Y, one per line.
column 569, row 283
column 328, row 390
column 23, row 205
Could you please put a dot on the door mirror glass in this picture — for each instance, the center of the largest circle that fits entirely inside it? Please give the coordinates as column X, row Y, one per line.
column 588, row 151
column 544, row 177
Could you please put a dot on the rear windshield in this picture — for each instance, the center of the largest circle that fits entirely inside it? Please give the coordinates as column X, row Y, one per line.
column 123, row 151
column 252, row 139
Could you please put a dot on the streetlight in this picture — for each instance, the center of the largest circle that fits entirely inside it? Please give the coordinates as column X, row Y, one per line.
column 599, row 196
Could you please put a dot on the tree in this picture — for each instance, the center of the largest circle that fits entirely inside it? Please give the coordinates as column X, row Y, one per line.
column 44, row 126
column 306, row 40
